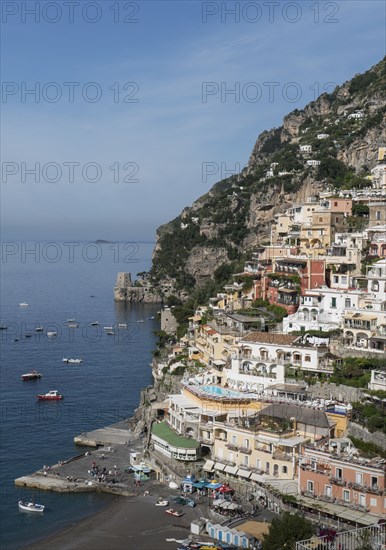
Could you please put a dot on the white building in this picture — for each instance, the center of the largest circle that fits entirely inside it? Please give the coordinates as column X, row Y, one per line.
column 356, row 115
column 313, row 162
column 323, row 136
column 378, row 380
column 306, row 148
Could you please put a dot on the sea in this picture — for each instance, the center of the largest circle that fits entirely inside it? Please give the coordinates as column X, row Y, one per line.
column 61, row 281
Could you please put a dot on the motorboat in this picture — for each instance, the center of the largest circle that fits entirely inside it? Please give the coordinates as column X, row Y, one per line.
column 73, row 361
column 51, row 333
column 39, row 329
column 70, row 320
column 94, row 323
column 150, row 318
column 122, row 325
column 52, row 395
column 162, row 502
column 33, row 375
column 73, row 325
column 28, row 334
column 173, row 512
column 110, row 332
column 23, row 304
column 30, row 506
column 108, row 328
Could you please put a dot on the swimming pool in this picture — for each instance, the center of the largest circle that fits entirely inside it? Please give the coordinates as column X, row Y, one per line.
column 218, row 391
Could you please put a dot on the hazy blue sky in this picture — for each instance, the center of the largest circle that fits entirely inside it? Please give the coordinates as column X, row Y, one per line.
column 167, row 51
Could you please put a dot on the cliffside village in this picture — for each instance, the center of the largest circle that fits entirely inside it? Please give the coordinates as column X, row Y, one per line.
column 246, row 413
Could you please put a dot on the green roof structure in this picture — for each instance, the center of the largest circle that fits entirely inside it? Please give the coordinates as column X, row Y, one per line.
column 164, row 431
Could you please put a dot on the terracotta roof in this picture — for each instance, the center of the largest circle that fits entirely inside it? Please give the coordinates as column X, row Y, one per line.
column 270, row 338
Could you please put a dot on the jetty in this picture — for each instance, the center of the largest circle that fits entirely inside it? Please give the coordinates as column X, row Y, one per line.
column 103, row 469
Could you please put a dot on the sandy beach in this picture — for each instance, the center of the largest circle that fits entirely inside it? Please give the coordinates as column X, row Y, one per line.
column 130, row 523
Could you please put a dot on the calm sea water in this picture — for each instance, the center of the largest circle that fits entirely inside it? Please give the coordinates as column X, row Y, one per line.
column 60, row 284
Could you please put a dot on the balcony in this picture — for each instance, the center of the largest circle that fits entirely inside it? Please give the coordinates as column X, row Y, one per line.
column 282, row 456
column 239, row 448
column 338, row 481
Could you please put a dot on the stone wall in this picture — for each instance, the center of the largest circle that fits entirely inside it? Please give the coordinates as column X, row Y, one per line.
column 358, row 431
column 345, row 394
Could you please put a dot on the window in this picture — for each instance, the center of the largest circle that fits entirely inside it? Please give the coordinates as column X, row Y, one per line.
column 344, row 279
column 333, row 302
column 234, row 440
column 230, row 456
column 285, row 470
column 336, row 280
column 373, row 502
column 339, row 473
column 362, row 500
column 378, row 215
column 320, row 219
column 346, row 495
column 358, row 478
column 347, row 302
column 246, row 443
column 328, row 490
column 310, row 486
column 246, row 460
column 290, row 325
column 307, row 358
column 374, row 481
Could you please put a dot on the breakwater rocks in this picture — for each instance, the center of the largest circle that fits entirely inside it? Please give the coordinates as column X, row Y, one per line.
column 139, row 291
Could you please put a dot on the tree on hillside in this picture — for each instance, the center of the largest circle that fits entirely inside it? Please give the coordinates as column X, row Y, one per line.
column 286, row 530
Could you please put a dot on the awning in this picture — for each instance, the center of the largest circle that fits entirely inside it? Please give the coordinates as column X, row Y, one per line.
column 208, row 466
column 244, row 473
column 219, row 466
column 231, row 470
column 257, row 477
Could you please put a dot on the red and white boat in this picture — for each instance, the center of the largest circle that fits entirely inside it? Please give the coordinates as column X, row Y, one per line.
column 52, row 395
column 33, row 375
column 172, row 512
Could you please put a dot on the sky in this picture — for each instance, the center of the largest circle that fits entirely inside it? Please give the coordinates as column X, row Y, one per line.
column 116, row 115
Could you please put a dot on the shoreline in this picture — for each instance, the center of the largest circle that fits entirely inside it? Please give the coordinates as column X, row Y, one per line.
column 130, row 522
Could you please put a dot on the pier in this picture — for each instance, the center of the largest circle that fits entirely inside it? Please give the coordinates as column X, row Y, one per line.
column 104, row 469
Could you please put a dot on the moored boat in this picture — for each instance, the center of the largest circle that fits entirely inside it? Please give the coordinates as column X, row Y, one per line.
column 52, row 395
column 110, row 332
column 94, row 323
column 51, row 333
column 72, row 325
column 33, row 375
column 74, row 361
column 70, row 320
column 39, row 329
column 122, row 325
column 23, row 304
column 30, row 506
column 176, row 513
column 108, row 328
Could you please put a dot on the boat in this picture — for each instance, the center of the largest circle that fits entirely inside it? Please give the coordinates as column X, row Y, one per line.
column 23, row 304
column 30, row 506
column 94, row 324
column 108, row 328
column 172, row 512
column 33, row 375
column 3, row 327
column 110, row 332
column 51, row 333
column 74, row 361
column 150, row 318
column 162, row 502
column 52, row 395
column 73, row 325
column 70, row 320
column 28, row 334
column 122, row 325
column 39, row 329
column 140, row 321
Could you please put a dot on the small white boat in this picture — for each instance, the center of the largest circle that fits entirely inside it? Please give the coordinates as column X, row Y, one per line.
column 51, row 333
column 108, row 328
column 23, row 304
column 70, row 320
column 73, row 361
column 72, row 325
column 150, row 318
column 94, row 323
column 140, row 321
column 39, row 329
column 30, row 506
column 162, row 502
column 110, row 332
column 122, row 325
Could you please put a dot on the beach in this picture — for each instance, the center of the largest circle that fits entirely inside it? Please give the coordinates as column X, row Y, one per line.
column 128, row 523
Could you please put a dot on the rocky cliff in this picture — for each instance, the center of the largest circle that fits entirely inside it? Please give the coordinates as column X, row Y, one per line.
column 235, row 215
